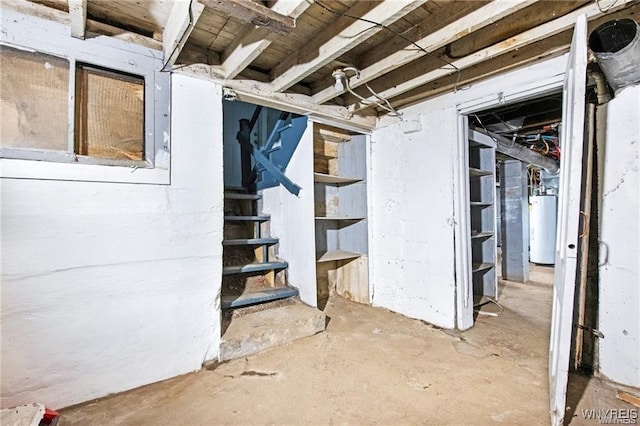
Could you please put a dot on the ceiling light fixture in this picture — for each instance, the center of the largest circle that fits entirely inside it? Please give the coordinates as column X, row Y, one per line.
column 340, row 77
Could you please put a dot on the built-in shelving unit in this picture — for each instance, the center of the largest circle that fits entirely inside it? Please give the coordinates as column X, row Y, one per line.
column 482, row 214
column 340, row 194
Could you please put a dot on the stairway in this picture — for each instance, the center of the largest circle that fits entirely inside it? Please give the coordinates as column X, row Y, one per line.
column 249, row 276
column 259, row 309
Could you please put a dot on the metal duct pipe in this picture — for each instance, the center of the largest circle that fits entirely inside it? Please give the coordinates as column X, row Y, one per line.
column 616, row 46
column 522, row 153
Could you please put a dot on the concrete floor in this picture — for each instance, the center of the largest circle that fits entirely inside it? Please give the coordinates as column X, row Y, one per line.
column 371, row 366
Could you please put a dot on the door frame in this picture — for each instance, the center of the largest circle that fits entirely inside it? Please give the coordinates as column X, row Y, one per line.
column 464, row 286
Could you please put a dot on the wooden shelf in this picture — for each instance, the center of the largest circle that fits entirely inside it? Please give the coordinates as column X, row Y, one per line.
column 479, row 204
column 481, row 234
column 339, row 218
column 477, row 267
column 473, row 172
column 332, row 255
column 324, row 178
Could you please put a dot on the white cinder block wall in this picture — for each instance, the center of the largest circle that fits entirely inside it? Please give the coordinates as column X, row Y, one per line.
column 619, row 313
column 411, row 250
column 106, row 287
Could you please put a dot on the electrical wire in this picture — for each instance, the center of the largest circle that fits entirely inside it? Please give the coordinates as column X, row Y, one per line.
column 388, row 107
column 485, row 129
column 182, row 39
column 489, row 314
column 398, row 34
column 608, row 8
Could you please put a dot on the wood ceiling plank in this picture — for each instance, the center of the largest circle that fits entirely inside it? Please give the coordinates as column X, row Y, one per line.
column 400, row 84
column 475, row 20
column 149, row 16
column 255, row 13
column 194, row 54
column 521, row 20
column 58, row 14
column 341, row 36
column 253, row 41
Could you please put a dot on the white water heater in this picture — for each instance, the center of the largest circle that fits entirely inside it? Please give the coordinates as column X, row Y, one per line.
column 542, row 223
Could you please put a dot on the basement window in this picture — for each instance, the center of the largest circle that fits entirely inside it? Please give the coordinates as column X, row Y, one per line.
column 109, row 114
column 34, row 96
column 80, row 113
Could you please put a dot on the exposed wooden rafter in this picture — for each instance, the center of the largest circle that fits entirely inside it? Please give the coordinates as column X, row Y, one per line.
column 480, row 18
column 546, row 48
column 78, row 18
column 255, row 13
column 263, row 94
column 254, row 40
column 180, row 24
column 398, row 85
column 338, row 38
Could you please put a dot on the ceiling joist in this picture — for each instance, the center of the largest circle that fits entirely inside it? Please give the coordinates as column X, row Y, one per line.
column 400, row 46
column 480, row 18
column 78, row 18
column 338, row 38
column 400, row 86
column 180, row 24
column 263, row 94
column 254, row 40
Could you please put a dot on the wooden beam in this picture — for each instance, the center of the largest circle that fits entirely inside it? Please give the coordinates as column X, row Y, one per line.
column 338, row 38
column 480, row 18
column 262, row 94
column 252, row 41
column 182, row 20
column 543, row 49
column 78, row 18
column 255, row 13
column 400, row 85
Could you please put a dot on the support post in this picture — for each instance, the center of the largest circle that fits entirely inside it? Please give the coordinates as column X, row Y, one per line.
column 514, row 206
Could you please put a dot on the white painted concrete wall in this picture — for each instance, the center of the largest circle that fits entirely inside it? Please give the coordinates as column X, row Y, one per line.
column 619, row 313
column 108, row 286
column 412, row 207
column 411, row 252
column 293, row 221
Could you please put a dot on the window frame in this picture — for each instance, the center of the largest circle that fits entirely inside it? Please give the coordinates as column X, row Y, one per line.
column 38, row 35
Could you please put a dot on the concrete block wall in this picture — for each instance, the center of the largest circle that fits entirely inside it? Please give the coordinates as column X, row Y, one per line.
column 110, row 286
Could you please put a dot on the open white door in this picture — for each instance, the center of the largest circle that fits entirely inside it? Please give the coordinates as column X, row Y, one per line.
column 564, row 280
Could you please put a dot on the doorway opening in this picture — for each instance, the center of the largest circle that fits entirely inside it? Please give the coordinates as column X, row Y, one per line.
column 527, row 160
column 512, row 160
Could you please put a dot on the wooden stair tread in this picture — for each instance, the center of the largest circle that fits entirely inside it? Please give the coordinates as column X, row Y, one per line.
column 250, row 241
column 239, row 196
column 247, row 299
column 253, row 267
column 246, row 218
